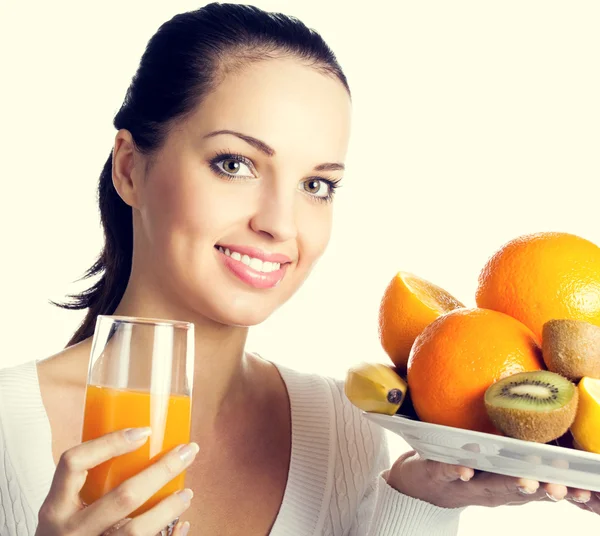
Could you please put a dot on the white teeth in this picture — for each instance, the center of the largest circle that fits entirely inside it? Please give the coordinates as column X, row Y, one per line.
column 256, row 264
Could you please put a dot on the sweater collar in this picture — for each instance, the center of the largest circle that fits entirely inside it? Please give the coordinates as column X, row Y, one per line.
column 310, row 479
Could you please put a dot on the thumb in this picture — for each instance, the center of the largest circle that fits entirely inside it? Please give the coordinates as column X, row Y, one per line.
column 445, row 472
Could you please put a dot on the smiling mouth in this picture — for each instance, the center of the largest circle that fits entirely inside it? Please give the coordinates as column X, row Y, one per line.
column 265, row 267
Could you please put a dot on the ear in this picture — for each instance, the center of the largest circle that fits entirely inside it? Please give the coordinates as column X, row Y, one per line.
column 127, row 169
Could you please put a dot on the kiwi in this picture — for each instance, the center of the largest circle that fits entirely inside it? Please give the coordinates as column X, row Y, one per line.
column 571, row 348
column 535, row 406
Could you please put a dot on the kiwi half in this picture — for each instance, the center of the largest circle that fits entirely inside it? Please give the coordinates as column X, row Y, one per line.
column 571, row 348
column 534, row 406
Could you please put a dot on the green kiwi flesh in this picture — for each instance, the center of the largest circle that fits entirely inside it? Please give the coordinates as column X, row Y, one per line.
column 535, row 406
column 571, row 348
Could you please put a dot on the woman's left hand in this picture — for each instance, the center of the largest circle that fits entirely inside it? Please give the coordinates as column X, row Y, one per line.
column 454, row 486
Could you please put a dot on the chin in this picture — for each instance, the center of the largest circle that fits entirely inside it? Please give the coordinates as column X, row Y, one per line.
column 240, row 315
column 233, row 308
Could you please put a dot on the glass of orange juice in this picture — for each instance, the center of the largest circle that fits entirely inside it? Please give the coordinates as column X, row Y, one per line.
column 140, row 374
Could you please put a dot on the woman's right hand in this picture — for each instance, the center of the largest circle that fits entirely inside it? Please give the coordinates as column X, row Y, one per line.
column 63, row 514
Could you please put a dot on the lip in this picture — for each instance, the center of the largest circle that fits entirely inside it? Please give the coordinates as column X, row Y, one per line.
column 257, row 253
column 250, row 276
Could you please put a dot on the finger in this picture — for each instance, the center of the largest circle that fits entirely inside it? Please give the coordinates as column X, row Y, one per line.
column 593, row 504
column 157, row 518
column 72, row 468
column 134, row 492
column 527, row 487
column 580, row 496
column 555, row 492
column 115, row 527
column 445, row 472
column 181, row 529
column 587, row 506
column 494, row 489
column 507, row 485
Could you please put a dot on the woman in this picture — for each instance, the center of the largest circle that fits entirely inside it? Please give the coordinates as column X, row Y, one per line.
column 216, row 203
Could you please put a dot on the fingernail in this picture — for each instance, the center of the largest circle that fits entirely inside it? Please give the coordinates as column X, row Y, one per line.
column 185, row 495
column 526, row 491
column 467, row 477
column 187, row 452
column 580, row 500
column 137, row 434
column 552, row 497
column 185, row 529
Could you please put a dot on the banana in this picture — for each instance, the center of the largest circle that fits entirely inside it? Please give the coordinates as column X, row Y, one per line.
column 375, row 387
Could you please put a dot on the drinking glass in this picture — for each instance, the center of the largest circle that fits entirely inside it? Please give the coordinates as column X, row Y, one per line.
column 140, row 374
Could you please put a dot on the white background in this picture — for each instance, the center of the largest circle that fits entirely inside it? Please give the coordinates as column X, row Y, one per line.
column 474, row 122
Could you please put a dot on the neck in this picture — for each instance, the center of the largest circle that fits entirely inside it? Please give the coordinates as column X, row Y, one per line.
column 220, row 363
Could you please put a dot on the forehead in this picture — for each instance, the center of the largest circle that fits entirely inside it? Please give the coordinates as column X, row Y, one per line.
column 297, row 110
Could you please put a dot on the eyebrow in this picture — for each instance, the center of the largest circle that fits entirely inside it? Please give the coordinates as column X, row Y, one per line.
column 255, row 142
column 331, row 166
column 269, row 151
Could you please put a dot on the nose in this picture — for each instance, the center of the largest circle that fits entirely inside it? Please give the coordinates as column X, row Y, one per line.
column 275, row 215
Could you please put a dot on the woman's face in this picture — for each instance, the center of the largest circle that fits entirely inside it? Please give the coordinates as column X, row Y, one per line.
column 237, row 206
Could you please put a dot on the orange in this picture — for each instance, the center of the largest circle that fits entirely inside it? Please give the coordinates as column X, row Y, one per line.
column 409, row 304
column 459, row 356
column 541, row 277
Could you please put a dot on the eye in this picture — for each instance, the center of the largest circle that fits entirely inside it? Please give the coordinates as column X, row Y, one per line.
column 232, row 166
column 317, row 187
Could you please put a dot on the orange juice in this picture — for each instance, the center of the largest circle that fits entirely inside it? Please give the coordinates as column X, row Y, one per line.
column 108, row 410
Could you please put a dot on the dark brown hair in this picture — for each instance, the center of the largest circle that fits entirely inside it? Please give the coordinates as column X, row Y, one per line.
column 183, row 61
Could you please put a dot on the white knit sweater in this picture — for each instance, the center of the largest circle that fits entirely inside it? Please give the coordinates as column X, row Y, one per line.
column 334, row 484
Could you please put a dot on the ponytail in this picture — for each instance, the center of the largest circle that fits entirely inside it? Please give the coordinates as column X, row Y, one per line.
column 114, row 263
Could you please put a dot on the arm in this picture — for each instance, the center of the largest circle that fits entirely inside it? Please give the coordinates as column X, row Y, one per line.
column 16, row 516
column 383, row 511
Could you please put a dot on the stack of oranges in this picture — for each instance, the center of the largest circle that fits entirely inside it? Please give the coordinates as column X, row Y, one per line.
column 451, row 354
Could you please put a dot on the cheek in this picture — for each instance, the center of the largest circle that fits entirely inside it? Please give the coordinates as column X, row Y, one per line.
column 175, row 203
column 314, row 233
column 170, row 209
column 191, row 209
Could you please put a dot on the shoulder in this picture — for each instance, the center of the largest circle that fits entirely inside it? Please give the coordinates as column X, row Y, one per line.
column 344, row 412
column 31, row 389
column 354, row 428
column 23, row 385
column 67, row 366
column 18, row 390
column 19, row 395
column 17, row 384
column 26, row 465
column 355, row 437
column 16, row 372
